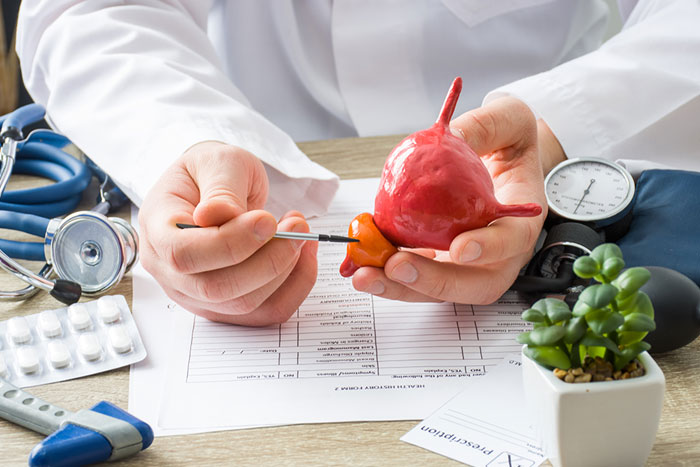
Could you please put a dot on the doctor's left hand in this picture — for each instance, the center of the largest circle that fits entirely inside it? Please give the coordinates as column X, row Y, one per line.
column 482, row 263
column 232, row 270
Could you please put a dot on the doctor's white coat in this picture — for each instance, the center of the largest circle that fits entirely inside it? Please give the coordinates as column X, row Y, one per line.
column 136, row 82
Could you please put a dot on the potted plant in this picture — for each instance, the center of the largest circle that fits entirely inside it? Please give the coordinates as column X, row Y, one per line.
column 594, row 391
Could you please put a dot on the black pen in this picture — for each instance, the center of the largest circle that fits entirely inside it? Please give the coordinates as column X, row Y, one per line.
column 316, row 237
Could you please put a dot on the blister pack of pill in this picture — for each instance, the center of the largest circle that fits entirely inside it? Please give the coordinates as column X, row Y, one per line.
column 70, row 342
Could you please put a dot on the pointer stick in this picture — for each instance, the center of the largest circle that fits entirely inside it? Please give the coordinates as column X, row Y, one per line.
column 296, row 235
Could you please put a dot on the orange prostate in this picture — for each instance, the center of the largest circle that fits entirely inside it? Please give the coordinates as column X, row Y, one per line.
column 372, row 249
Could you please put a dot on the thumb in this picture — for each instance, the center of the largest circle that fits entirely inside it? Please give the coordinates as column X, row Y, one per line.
column 230, row 180
column 501, row 123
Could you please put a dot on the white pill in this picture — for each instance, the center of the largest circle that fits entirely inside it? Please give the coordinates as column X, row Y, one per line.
column 108, row 310
column 59, row 355
column 27, row 360
column 89, row 347
column 18, row 329
column 49, row 324
column 79, row 316
column 119, row 338
column 3, row 368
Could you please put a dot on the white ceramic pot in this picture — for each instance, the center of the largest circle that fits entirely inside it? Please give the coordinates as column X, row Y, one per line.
column 606, row 423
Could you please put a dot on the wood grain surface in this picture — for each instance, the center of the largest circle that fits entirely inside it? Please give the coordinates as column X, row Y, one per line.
column 362, row 444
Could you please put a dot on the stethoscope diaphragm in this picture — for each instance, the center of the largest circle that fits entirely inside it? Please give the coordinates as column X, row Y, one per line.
column 88, row 248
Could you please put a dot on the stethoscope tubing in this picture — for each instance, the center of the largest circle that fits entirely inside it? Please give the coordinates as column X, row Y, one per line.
column 29, row 210
column 44, row 160
column 24, row 116
column 28, row 223
column 36, row 211
column 12, row 138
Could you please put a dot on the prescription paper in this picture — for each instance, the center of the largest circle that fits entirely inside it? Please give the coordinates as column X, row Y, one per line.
column 344, row 356
column 486, row 424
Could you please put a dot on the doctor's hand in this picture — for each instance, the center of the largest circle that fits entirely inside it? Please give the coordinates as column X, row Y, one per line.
column 483, row 263
column 232, row 270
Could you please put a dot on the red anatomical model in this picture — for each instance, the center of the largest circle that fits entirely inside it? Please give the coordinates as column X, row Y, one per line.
column 372, row 250
column 434, row 187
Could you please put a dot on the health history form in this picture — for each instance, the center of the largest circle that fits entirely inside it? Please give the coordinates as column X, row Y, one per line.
column 343, row 356
column 361, row 335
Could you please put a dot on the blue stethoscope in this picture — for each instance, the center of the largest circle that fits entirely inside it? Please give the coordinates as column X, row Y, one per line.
column 87, row 251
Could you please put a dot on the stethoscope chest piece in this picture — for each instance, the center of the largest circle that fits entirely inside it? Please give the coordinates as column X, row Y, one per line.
column 90, row 249
column 89, row 252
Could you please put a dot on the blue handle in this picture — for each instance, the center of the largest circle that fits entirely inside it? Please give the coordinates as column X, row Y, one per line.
column 74, row 445
column 24, row 116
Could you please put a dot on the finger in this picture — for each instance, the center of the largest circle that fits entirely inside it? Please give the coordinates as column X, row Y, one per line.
column 230, row 181
column 425, row 252
column 274, row 259
column 292, row 214
column 502, row 123
column 451, row 282
column 149, row 258
column 285, row 301
column 374, row 281
column 189, row 251
column 502, row 240
column 279, row 305
column 172, row 199
column 238, row 305
column 241, row 305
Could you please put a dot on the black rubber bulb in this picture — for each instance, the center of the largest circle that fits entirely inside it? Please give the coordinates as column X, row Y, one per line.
column 676, row 301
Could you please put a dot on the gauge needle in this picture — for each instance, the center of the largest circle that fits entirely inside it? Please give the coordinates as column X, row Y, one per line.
column 586, row 191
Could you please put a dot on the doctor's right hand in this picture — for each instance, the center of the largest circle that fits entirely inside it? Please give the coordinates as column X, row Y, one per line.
column 231, row 270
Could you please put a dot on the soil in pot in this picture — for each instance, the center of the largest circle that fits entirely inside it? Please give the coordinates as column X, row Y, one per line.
column 598, row 369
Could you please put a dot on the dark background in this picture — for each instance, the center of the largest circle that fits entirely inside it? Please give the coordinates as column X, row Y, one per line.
column 9, row 10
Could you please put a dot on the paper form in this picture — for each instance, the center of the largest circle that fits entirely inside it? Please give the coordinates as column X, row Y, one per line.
column 486, row 424
column 343, row 356
column 152, row 312
column 377, row 338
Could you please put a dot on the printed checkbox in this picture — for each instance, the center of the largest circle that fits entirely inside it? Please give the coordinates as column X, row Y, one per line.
column 508, row 459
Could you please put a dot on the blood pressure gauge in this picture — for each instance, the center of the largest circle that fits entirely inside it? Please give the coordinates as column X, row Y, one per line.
column 591, row 190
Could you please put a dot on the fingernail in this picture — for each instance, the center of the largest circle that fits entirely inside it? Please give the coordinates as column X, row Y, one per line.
column 376, row 288
column 265, row 228
column 470, row 252
column 457, row 132
column 404, row 272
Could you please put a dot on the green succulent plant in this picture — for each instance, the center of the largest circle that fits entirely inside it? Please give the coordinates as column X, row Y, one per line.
column 608, row 320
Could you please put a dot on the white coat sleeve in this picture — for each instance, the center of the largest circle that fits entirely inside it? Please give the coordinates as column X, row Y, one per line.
column 635, row 99
column 135, row 83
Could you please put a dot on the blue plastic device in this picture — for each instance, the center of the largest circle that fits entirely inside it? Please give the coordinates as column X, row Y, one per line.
column 104, row 432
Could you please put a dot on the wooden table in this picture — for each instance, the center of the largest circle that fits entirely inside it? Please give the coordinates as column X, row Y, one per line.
column 368, row 443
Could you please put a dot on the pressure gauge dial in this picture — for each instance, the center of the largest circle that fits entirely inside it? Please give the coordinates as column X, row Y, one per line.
column 589, row 190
